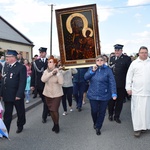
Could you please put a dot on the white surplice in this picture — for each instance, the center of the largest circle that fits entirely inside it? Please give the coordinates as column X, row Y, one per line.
column 138, row 80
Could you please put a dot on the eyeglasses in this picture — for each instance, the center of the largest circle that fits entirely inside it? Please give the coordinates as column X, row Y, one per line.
column 99, row 60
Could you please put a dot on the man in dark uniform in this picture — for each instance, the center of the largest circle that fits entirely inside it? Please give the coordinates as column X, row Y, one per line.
column 12, row 90
column 38, row 68
column 119, row 64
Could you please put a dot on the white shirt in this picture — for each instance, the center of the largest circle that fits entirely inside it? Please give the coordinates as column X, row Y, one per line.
column 43, row 59
column 138, row 77
column 12, row 64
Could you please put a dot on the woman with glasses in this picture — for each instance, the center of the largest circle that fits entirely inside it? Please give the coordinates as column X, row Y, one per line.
column 102, row 88
column 53, row 79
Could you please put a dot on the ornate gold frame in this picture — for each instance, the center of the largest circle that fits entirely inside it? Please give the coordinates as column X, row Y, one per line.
column 78, row 35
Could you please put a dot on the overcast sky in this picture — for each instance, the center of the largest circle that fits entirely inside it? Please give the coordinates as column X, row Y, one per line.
column 124, row 22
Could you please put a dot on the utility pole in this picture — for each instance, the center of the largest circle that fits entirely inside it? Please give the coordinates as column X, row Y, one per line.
column 51, row 24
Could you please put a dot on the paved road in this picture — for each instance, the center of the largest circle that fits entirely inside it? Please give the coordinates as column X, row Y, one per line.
column 76, row 133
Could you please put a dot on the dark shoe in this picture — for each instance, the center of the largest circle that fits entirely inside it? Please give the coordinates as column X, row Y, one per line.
column 56, row 128
column 110, row 118
column 137, row 133
column 98, row 132
column 143, row 131
column 44, row 121
column 94, row 126
column 79, row 109
column 53, row 129
column 117, row 120
column 34, row 96
column 19, row 129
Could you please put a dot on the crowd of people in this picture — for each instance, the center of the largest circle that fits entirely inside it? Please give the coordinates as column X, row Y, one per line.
column 105, row 84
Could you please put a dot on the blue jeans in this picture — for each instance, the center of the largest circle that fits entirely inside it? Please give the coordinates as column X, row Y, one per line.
column 27, row 95
column 78, row 91
column 98, row 110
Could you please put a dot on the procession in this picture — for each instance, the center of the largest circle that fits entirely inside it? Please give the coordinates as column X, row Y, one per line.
column 81, row 93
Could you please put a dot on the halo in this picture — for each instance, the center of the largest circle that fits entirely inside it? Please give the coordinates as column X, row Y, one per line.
column 68, row 22
column 84, row 31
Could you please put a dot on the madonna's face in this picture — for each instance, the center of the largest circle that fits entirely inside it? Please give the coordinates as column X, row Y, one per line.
column 77, row 24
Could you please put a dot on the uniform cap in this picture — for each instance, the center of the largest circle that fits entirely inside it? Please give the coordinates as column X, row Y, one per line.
column 42, row 49
column 118, row 46
column 11, row 53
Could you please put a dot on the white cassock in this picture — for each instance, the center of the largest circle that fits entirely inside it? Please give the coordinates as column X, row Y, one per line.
column 138, row 80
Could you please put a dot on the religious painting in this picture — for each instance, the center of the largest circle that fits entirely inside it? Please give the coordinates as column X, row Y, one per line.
column 78, row 35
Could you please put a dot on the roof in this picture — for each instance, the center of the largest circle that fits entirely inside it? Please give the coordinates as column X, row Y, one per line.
column 11, row 34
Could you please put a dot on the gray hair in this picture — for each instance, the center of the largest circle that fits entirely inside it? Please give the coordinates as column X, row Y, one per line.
column 100, row 56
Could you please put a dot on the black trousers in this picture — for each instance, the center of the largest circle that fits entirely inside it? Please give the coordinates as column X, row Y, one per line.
column 45, row 107
column 35, row 91
column 68, row 91
column 115, row 106
column 20, row 109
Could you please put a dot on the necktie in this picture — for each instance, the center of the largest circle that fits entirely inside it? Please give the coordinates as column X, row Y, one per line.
column 43, row 60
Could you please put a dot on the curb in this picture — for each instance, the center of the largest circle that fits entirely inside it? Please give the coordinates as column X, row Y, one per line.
column 28, row 108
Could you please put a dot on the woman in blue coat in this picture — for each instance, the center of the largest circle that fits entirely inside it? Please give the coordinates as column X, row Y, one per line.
column 102, row 88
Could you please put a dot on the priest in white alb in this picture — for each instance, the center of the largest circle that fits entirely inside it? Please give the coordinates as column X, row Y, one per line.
column 138, row 85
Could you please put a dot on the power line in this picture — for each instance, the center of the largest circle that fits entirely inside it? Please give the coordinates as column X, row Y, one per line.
column 126, row 6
